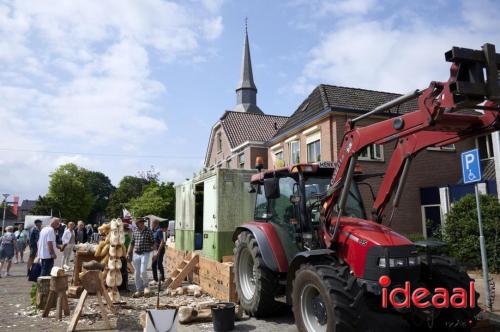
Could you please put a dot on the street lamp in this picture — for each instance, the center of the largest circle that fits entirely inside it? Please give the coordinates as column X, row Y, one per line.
column 4, row 210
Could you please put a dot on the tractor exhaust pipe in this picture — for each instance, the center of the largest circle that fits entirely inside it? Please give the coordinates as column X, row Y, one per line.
column 390, row 104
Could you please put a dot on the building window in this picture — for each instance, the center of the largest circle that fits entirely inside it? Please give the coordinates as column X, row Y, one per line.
column 314, row 151
column 372, row 152
column 485, row 146
column 228, row 163
column 279, row 155
column 219, row 142
column 241, row 160
column 294, row 152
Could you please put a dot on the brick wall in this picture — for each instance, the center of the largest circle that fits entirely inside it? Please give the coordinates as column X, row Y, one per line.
column 429, row 168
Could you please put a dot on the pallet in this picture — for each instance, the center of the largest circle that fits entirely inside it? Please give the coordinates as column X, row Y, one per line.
column 215, row 278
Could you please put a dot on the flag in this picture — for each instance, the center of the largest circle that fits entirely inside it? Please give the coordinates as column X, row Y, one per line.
column 126, row 214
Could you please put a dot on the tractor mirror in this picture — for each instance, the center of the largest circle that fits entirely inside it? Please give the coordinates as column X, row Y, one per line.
column 272, row 188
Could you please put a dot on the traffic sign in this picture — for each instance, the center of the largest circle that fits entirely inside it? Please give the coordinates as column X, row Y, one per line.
column 471, row 168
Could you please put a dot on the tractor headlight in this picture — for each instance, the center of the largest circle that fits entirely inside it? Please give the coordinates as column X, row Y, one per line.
column 413, row 261
column 398, row 262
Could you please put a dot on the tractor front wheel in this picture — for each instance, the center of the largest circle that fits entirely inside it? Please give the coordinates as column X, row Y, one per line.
column 255, row 283
column 326, row 298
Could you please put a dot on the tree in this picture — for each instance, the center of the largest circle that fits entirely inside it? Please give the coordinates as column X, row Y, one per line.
column 150, row 175
column 101, row 188
column 45, row 206
column 69, row 191
column 129, row 187
column 461, row 232
column 157, row 199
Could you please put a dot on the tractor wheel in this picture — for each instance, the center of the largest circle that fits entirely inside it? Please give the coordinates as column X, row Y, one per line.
column 255, row 283
column 326, row 298
column 447, row 273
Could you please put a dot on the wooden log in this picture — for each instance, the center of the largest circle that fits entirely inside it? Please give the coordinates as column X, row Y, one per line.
column 75, row 291
column 42, row 291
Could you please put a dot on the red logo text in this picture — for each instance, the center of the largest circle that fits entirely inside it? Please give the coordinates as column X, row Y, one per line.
column 404, row 297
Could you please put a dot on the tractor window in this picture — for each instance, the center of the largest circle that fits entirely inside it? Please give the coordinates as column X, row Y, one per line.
column 354, row 206
column 281, row 209
column 261, row 205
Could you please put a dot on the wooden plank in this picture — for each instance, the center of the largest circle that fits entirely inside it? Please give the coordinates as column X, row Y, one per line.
column 184, row 273
column 78, row 311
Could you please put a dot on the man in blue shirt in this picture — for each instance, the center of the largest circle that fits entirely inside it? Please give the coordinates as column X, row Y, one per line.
column 159, row 252
column 33, row 242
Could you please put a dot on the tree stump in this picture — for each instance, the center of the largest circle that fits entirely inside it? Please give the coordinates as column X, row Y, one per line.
column 42, row 291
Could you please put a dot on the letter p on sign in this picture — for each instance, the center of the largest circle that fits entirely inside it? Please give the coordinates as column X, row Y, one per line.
column 471, row 168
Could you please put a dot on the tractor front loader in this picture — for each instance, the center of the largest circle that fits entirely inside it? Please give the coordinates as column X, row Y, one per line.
column 311, row 241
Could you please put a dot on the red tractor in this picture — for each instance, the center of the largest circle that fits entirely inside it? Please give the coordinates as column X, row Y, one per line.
column 311, row 241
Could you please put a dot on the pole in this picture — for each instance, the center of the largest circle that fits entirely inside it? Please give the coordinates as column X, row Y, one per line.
column 482, row 244
column 4, row 209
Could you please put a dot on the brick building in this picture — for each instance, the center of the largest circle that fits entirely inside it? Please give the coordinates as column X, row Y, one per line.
column 240, row 135
column 314, row 133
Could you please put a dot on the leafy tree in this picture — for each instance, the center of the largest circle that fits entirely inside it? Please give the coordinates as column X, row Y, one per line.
column 70, row 192
column 150, row 175
column 462, row 232
column 101, row 188
column 129, row 187
column 44, row 206
column 157, row 199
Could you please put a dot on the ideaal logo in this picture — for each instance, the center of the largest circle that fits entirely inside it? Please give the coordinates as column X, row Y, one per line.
column 423, row 298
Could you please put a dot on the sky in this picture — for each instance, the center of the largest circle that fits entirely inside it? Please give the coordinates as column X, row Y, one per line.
column 118, row 86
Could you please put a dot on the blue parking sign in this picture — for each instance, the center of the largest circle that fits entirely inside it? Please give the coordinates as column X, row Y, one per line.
column 471, row 168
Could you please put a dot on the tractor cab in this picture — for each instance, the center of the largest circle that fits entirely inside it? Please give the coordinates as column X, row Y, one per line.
column 290, row 198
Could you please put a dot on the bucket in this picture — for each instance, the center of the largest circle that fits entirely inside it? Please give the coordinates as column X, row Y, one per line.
column 223, row 316
column 198, row 241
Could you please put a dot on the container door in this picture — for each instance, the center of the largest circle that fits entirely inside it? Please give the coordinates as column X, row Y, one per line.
column 210, row 205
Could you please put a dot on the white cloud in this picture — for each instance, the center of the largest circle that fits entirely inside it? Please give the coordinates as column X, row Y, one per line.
column 77, row 76
column 384, row 54
column 213, row 5
column 346, row 7
column 213, row 28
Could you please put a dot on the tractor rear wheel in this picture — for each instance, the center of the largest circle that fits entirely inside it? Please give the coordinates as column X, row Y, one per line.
column 447, row 273
column 255, row 283
column 326, row 298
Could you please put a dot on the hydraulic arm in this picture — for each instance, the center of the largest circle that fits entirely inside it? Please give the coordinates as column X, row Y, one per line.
column 473, row 85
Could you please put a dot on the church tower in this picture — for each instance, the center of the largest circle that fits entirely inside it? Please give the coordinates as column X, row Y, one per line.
column 246, row 92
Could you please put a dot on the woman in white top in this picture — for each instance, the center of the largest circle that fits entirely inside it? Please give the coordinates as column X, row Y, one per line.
column 68, row 241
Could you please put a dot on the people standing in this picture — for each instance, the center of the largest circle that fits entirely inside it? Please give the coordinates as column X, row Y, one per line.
column 139, row 251
column 81, row 233
column 47, row 246
column 68, row 243
column 90, row 231
column 7, row 248
column 21, row 242
column 33, row 242
column 159, row 252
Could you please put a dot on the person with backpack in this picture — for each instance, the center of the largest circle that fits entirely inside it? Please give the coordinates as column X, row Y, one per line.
column 7, row 249
column 22, row 241
column 33, row 242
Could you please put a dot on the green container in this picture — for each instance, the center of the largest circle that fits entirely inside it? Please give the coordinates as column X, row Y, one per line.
column 213, row 203
column 184, row 240
column 217, row 244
